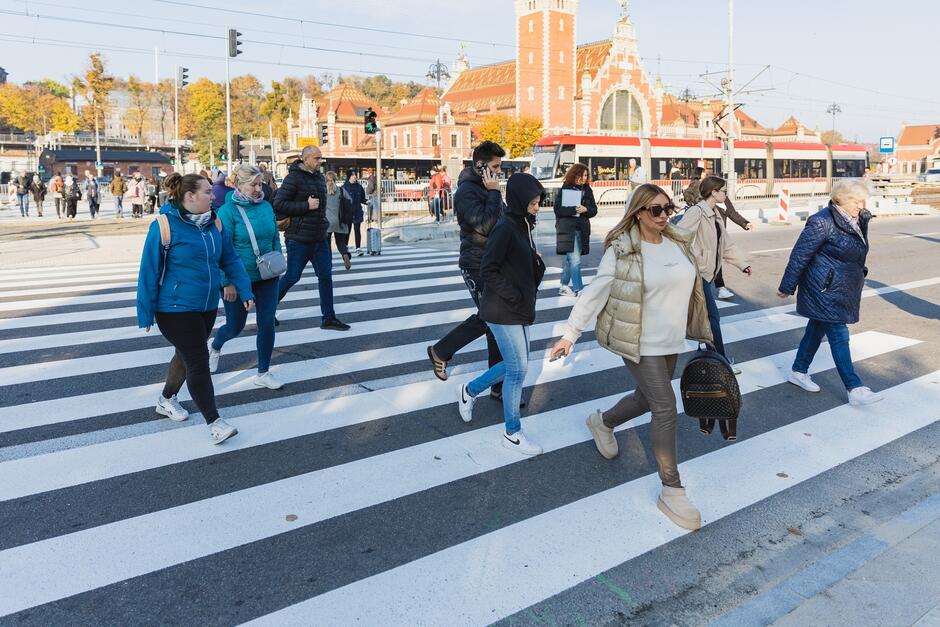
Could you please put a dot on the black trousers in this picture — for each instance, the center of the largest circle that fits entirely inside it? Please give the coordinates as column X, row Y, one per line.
column 342, row 242
column 357, row 232
column 719, row 279
column 471, row 328
column 188, row 332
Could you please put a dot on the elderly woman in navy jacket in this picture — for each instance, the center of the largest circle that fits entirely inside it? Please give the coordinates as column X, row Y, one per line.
column 827, row 264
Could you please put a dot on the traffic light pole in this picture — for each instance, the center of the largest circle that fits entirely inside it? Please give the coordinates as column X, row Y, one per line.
column 176, row 118
column 228, row 117
column 378, row 175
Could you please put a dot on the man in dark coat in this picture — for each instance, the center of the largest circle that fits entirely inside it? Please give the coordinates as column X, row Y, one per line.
column 302, row 198
column 478, row 205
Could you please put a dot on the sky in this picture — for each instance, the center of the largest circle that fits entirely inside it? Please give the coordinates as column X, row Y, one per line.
column 865, row 55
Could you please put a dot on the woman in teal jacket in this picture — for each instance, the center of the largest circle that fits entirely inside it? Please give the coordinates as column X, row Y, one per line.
column 249, row 197
column 178, row 287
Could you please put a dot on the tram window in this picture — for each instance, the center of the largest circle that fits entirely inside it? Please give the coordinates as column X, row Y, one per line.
column 848, row 168
column 603, row 169
column 799, row 168
column 751, row 168
column 623, row 168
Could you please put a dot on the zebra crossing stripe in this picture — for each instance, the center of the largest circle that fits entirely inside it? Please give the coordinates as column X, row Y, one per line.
column 466, row 584
column 70, row 564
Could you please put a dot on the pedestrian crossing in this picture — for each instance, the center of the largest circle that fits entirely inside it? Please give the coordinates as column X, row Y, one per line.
column 356, row 494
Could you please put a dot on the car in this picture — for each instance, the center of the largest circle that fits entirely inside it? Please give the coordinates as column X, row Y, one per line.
column 932, row 175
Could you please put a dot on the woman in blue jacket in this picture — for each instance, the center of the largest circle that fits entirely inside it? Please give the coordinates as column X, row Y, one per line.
column 248, row 200
column 827, row 264
column 354, row 195
column 178, row 287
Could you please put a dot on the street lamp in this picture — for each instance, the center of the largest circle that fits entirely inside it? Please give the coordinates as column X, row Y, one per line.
column 834, row 109
column 439, row 72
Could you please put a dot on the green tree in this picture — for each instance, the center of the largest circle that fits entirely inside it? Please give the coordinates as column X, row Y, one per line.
column 53, row 87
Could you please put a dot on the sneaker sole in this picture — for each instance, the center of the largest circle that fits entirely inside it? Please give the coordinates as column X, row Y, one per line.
column 866, row 403
column 460, row 405
column 597, row 440
column 265, row 385
column 685, row 523
column 802, row 387
column 164, row 412
column 229, row 435
column 515, row 449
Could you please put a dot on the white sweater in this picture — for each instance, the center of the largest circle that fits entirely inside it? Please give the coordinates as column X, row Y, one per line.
column 668, row 280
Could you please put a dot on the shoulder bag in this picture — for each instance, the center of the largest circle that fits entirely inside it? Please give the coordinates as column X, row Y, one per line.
column 270, row 265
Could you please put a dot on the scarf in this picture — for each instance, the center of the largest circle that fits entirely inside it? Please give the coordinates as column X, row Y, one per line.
column 198, row 219
column 244, row 199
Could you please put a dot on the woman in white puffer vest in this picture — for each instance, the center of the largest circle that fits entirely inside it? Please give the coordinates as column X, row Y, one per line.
column 647, row 298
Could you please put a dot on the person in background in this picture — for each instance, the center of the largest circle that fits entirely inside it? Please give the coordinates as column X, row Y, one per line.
column 138, row 195
column 511, row 270
column 118, row 187
column 691, row 194
column 56, row 186
column 675, row 178
column 647, row 299
column 220, row 189
column 178, row 288
column 827, row 272
column 355, row 196
column 338, row 214
column 38, row 189
column 21, row 183
column 638, row 175
column 712, row 247
column 434, row 193
column 371, row 188
column 72, row 193
column 478, row 206
column 247, row 200
column 267, row 177
column 92, row 194
column 302, row 198
column 573, row 227
column 161, row 191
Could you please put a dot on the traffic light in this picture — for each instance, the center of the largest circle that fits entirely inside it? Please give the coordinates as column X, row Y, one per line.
column 181, row 76
column 368, row 120
column 240, row 152
column 234, row 43
column 324, row 135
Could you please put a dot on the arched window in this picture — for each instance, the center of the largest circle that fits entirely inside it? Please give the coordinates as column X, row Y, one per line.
column 531, row 57
column 531, row 93
column 622, row 112
column 531, row 26
column 561, row 92
column 561, row 56
column 561, row 24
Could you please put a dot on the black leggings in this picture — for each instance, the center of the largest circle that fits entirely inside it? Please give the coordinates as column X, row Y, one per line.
column 357, row 231
column 188, row 332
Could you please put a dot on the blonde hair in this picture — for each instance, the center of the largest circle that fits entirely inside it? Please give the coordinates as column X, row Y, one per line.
column 331, row 182
column 245, row 173
column 845, row 189
column 640, row 199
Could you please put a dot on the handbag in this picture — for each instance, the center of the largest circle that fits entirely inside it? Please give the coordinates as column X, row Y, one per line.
column 270, row 265
column 710, row 392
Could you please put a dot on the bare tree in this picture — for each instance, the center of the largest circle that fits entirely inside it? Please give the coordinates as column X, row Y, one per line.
column 163, row 94
column 140, row 97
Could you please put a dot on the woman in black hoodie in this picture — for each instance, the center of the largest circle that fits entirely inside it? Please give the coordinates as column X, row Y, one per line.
column 511, row 271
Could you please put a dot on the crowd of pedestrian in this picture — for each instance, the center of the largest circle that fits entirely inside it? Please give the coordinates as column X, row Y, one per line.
column 219, row 238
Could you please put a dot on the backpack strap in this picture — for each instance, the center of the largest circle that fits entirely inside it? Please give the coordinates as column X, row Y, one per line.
column 728, row 428
column 165, row 237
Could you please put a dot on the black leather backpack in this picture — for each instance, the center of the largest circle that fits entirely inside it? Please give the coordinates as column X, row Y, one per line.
column 710, row 392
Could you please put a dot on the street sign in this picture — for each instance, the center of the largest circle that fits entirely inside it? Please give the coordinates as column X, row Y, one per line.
column 886, row 145
column 308, row 141
column 99, row 165
column 892, row 161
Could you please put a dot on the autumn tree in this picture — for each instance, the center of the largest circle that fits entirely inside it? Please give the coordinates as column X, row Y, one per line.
column 247, row 98
column 163, row 96
column 518, row 137
column 202, row 116
column 832, row 137
column 138, row 112
column 95, row 86
column 382, row 89
column 278, row 104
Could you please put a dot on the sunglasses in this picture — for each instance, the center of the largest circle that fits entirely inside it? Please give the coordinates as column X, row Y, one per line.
column 658, row 210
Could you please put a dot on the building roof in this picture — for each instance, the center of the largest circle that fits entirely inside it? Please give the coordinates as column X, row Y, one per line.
column 485, row 88
column 590, row 59
column 347, row 103
column 919, row 135
column 422, row 108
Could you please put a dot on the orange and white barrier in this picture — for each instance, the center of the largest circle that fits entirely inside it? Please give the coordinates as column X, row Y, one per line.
column 783, row 205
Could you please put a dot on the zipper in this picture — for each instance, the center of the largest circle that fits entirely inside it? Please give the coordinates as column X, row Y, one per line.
column 828, row 282
column 208, row 268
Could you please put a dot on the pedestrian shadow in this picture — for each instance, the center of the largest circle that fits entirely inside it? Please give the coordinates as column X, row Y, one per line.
column 907, row 302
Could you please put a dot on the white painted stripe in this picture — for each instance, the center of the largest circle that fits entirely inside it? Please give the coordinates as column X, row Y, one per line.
column 52, row 411
column 40, row 473
column 81, row 283
column 466, row 584
column 149, row 542
column 771, row 250
column 910, row 235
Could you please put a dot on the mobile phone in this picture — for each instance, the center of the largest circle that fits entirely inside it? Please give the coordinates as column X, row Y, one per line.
column 480, row 167
column 555, row 357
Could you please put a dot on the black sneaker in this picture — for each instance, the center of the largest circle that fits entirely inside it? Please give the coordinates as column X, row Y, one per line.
column 439, row 365
column 498, row 396
column 277, row 322
column 334, row 325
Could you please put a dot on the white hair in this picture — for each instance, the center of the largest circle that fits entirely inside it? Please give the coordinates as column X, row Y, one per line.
column 245, row 173
column 849, row 189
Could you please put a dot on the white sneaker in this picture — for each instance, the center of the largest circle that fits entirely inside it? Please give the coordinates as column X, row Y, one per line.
column 566, row 291
column 734, row 367
column 220, row 431
column 519, row 443
column 863, row 396
column 214, row 359
column 171, row 408
column 465, row 403
column 803, row 380
column 724, row 293
column 267, row 380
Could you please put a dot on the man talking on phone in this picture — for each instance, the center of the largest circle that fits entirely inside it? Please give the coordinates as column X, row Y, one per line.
column 478, row 205
column 302, row 198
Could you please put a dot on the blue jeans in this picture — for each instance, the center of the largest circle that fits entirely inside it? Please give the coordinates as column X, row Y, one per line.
column 838, row 335
column 23, row 201
column 235, row 317
column 714, row 318
column 119, row 206
column 321, row 257
column 571, row 269
column 513, row 342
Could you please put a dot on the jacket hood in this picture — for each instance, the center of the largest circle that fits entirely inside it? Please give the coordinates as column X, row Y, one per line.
column 469, row 174
column 520, row 190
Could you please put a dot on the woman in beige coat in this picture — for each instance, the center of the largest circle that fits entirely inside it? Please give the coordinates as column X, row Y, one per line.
column 711, row 246
column 647, row 298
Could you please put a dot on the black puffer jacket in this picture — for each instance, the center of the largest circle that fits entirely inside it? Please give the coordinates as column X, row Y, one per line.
column 477, row 210
column 307, row 226
column 568, row 222
column 511, row 268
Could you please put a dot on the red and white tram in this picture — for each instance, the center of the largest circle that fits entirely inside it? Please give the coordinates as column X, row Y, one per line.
column 763, row 168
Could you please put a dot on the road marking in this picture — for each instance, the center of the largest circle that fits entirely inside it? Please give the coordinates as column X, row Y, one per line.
column 40, row 473
column 71, row 564
column 907, row 236
column 466, row 584
column 771, row 250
